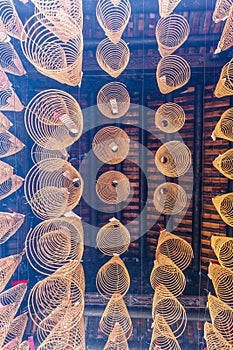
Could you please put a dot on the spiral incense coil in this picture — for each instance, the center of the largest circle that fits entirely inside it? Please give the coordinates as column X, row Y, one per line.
column 53, row 119
column 50, row 55
column 3, row 32
column 113, row 17
column 222, row 279
column 111, row 145
column 214, row 340
column 10, row 186
column 14, row 296
column 12, row 345
column 24, row 345
column 5, row 124
column 175, row 248
column 9, row 59
column 17, row 328
column 222, row 317
column 223, row 248
column 172, row 73
column 6, row 316
column 173, row 159
column 113, row 238
column 224, row 86
column 9, row 144
column 9, row 101
column 53, row 243
column 169, row 198
column 53, row 187
column 226, row 40
column 113, row 187
column 116, row 312
column 9, row 224
column 221, row 11
column 10, row 19
column 166, row 305
column 166, row 7
column 162, row 336
column 117, row 339
column 224, row 164
column 6, row 223
column 113, row 100
column 6, row 171
column 224, row 127
column 171, row 32
column 224, row 206
column 169, row 117
column 8, row 266
column 112, row 58
column 39, row 153
column 167, row 273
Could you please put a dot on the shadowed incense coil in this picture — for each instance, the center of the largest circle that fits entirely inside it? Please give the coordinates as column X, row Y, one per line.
column 224, row 163
column 224, row 127
column 169, row 117
column 169, row 198
column 222, row 279
column 9, row 224
column 53, row 187
column 116, row 339
column 224, row 86
column 112, row 58
column 162, row 336
column 116, row 312
column 113, row 17
column 113, row 238
column 8, row 266
column 175, row 248
column 9, row 144
column 11, row 19
column 14, row 296
column 5, row 123
column 6, row 316
column 222, row 317
column 24, row 345
column 171, row 32
column 226, row 40
column 10, row 186
column 224, row 206
column 113, row 100
column 221, row 11
column 6, row 171
column 16, row 329
column 167, row 273
column 172, row 73
column 166, row 7
column 214, row 340
column 39, row 153
column 9, row 59
column 173, row 159
column 223, row 248
column 113, row 187
column 53, row 119
column 111, row 145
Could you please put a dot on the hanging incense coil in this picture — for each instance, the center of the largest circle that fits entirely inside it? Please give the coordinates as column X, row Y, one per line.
column 113, row 17
column 172, row 73
column 224, row 206
column 224, row 164
column 222, row 279
column 116, row 312
column 10, row 186
column 166, row 7
column 14, row 296
column 8, row 266
column 50, row 55
column 214, row 339
column 5, row 124
column 6, row 316
column 224, row 127
column 113, row 238
column 167, row 273
column 111, row 145
column 16, row 329
column 53, row 119
column 6, row 171
column 10, row 19
column 221, row 11
column 226, row 40
column 223, row 248
column 113, row 100
column 222, row 317
column 170, row 117
column 175, row 248
column 112, row 58
column 24, row 345
column 113, row 187
column 173, row 159
column 39, row 153
column 3, row 32
column 53, row 187
column 9, row 144
column 53, row 243
column 169, row 198
column 9, row 101
column 6, row 223
column 224, row 86
column 9, row 224
column 12, row 345
column 9, row 59
column 162, row 336
column 117, row 339
column 171, row 32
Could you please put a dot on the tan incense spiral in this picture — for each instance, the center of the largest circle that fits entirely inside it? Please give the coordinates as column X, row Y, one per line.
column 10, row 186
column 166, row 7
column 9, row 59
column 5, row 123
column 14, row 296
column 221, row 11
column 6, row 171
column 117, row 339
column 8, row 266
column 39, row 153
column 224, row 127
column 24, row 345
column 11, row 19
column 224, row 86
column 214, row 340
column 226, row 40
column 162, row 336
column 9, row 224
column 222, row 279
column 224, row 206
column 9, row 101
column 17, row 328
column 7, row 313
column 9, row 144
column 169, row 198
column 170, row 117
column 224, row 163
column 223, row 248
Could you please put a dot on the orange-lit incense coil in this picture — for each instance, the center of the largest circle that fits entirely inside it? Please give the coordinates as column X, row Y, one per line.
column 113, row 238
column 9, row 59
column 112, row 58
column 170, row 117
column 166, row 7
column 10, row 186
column 113, row 100
column 223, row 248
column 167, row 273
column 226, row 40
column 113, row 187
column 24, row 345
column 162, row 336
column 5, row 123
column 6, row 316
column 6, row 171
column 173, row 159
column 117, row 339
column 222, row 279
column 221, row 11
column 113, row 17
column 224, row 206
column 224, row 163
column 9, row 224
column 9, row 144
column 111, row 145
column 17, row 328
column 224, row 86
column 8, row 266
column 171, row 32
column 224, row 127
column 11, row 19
column 116, row 312
column 214, row 340
column 39, row 153
column 175, row 248
column 14, row 296
column 169, row 198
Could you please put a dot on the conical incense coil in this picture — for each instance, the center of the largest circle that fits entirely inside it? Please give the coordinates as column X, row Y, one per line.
column 173, row 159
column 116, row 312
column 169, row 198
column 4, row 81
column 175, row 248
column 226, row 40
column 221, row 11
column 113, row 17
column 172, row 73
column 11, row 19
column 50, row 55
column 112, row 58
column 224, row 127
column 224, row 206
column 24, row 345
column 3, row 32
column 6, row 316
column 113, row 187
column 9, row 224
column 113, row 100
column 5, row 124
column 14, row 296
column 170, row 117
column 117, row 340
column 6, row 171
column 10, row 186
column 223, row 248
column 9, row 59
column 53, row 187
column 224, row 86
column 11, row 345
column 224, row 163
column 16, row 329
column 53, row 243
column 214, row 340
column 6, row 223
column 171, row 32
column 166, row 7
column 9, row 144
column 167, row 273
column 9, row 101
column 111, row 145
column 222, row 317
column 166, row 305
column 39, row 153
column 162, row 336
column 222, row 279
column 113, row 238
column 53, row 119
column 8, row 266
